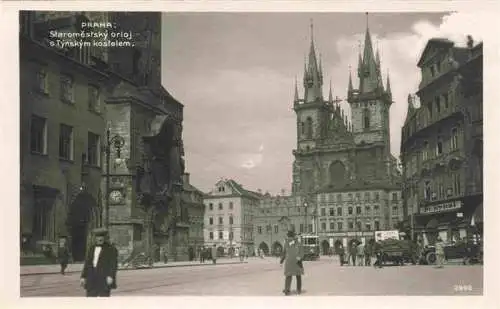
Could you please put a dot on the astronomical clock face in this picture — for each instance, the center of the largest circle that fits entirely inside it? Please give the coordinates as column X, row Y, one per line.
column 115, row 196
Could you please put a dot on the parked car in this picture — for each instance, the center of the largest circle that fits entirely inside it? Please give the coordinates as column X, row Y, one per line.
column 469, row 252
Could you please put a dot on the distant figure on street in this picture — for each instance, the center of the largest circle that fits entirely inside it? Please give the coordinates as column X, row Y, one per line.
column 360, row 254
column 202, row 255
column 292, row 256
column 101, row 264
column 63, row 255
column 439, row 252
column 353, row 252
column 242, row 254
column 379, row 255
column 368, row 254
column 341, row 253
column 214, row 254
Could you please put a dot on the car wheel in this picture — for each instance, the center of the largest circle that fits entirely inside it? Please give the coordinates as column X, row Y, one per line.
column 430, row 258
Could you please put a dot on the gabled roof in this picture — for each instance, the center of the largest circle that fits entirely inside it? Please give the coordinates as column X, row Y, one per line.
column 435, row 42
column 237, row 189
column 241, row 191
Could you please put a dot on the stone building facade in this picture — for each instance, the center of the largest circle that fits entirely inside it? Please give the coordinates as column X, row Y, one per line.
column 62, row 128
column 442, row 143
column 342, row 165
column 275, row 216
column 229, row 217
column 119, row 99
column 192, row 205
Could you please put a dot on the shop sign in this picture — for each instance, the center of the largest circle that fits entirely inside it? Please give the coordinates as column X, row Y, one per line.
column 444, row 207
column 338, row 234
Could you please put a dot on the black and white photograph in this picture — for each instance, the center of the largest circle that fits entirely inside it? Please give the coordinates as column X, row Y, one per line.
column 285, row 154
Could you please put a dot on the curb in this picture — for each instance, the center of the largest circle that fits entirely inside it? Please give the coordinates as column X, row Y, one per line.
column 127, row 269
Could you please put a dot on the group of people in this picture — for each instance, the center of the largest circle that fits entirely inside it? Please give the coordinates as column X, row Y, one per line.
column 208, row 253
column 359, row 254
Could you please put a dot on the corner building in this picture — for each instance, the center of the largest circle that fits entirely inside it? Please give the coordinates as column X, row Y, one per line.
column 442, row 144
column 229, row 211
column 343, row 170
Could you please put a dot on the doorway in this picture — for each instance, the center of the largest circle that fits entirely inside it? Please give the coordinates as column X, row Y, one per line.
column 78, row 242
column 325, row 245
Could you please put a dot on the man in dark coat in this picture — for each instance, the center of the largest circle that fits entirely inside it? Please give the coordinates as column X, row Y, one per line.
column 100, row 267
column 292, row 255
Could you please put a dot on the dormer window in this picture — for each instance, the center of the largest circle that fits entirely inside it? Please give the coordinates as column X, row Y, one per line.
column 439, row 146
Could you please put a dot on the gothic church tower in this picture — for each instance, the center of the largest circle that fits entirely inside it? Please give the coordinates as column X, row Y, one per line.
column 370, row 103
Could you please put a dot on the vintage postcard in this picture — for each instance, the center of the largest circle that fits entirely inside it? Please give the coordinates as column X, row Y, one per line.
column 239, row 153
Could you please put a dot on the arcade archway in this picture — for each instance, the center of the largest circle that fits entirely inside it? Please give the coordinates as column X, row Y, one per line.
column 277, row 248
column 325, row 247
column 82, row 214
column 264, row 247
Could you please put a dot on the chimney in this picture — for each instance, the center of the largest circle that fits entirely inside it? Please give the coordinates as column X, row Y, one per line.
column 259, row 191
column 283, row 192
column 185, row 178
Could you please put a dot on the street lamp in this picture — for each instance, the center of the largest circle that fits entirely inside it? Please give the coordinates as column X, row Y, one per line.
column 117, row 143
column 306, row 227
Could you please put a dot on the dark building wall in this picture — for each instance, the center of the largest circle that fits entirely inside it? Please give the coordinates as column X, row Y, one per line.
column 46, row 169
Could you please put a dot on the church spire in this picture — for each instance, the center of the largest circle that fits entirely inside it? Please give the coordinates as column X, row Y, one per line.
column 313, row 79
column 369, row 76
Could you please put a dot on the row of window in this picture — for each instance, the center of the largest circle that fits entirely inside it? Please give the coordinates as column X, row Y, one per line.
column 67, row 90
column 350, row 211
column 441, row 146
column 367, row 196
column 220, row 206
column 333, row 226
column 39, row 141
column 221, row 220
column 443, row 187
column 220, row 235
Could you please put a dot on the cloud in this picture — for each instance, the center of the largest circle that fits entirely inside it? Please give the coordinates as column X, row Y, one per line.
column 399, row 55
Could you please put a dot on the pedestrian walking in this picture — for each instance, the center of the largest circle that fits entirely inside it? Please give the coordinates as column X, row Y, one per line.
column 214, row 254
column 368, row 254
column 202, row 255
column 241, row 254
column 98, row 276
column 379, row 254
column 439, row 252
column 292, row 256
column 63, row 255
column 341, row 253
column 360, row 254
column 353, row 252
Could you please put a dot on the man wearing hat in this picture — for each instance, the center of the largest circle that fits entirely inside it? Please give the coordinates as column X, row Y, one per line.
column 292, row 256
column 99, row 270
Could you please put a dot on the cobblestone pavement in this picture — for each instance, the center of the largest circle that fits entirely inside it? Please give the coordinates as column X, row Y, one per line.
column 264, row 277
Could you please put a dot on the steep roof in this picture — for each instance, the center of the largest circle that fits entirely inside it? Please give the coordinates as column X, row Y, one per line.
column 434, row 43
column 238, row 188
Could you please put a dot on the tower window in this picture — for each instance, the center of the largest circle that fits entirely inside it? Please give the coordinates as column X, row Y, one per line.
column 309, row 129
column 366, row 119
column 302, row 128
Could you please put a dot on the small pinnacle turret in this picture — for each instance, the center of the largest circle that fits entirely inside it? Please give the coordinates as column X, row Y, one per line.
column 330, row 95
column 296, row 95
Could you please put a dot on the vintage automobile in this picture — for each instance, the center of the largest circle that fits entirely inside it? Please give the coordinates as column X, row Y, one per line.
column 469, row 252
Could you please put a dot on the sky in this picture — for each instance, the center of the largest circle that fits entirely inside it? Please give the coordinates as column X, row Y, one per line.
column 235, row 75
